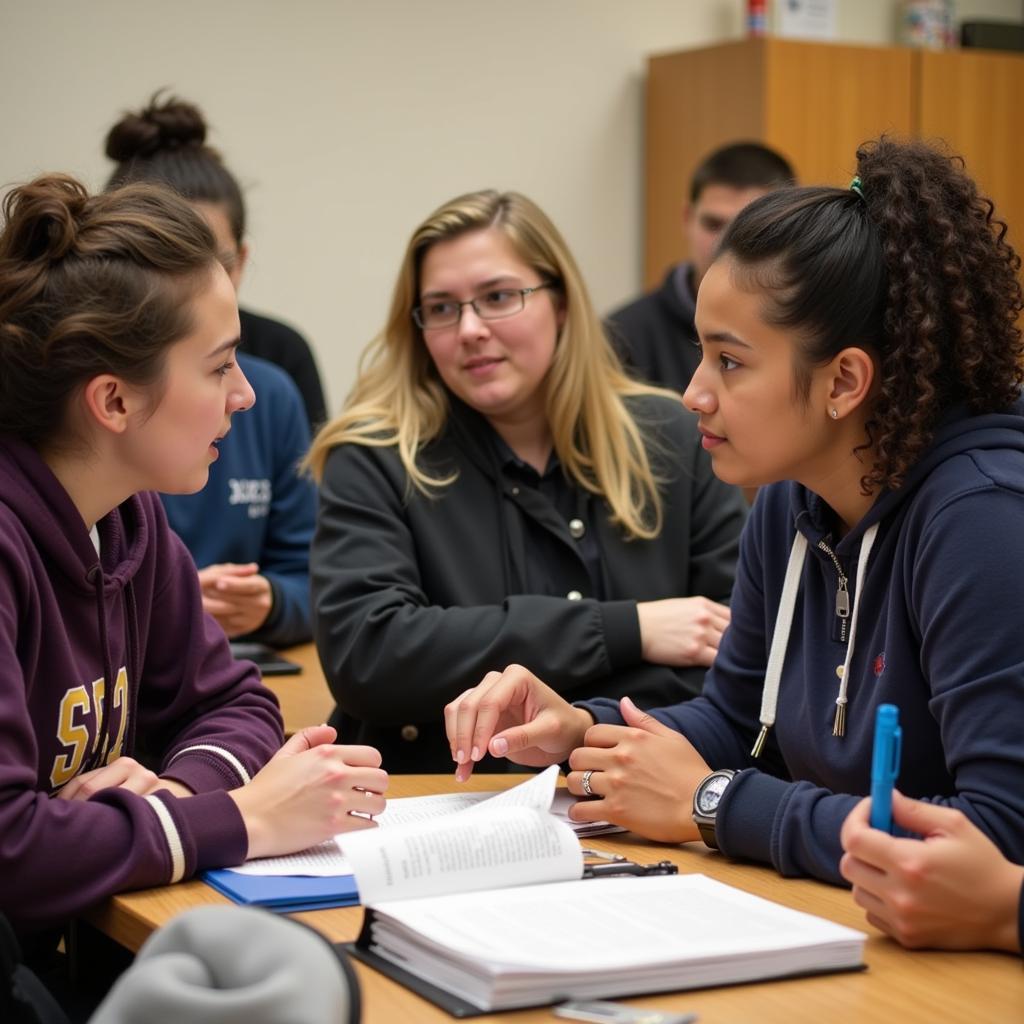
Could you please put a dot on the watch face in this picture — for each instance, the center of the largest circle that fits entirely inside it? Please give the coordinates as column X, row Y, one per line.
column 710, row 793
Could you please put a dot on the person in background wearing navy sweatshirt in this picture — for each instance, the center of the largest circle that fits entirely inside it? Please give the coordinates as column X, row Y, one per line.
column 251, row 526
column 118, row 330
column 249, row 530
column 861, row 357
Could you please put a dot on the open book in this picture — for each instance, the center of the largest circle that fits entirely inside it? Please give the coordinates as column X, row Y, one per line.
column 510, row 839
column 480, row 951
column 498, row 837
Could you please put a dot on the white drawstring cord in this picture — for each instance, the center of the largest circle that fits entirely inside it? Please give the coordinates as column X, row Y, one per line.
column 780, row 640
column 780, row 636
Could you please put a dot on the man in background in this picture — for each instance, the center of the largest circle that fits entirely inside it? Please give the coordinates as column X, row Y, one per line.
column 655, row 335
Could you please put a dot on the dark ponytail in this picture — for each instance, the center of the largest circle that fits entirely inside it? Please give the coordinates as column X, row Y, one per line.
column 913, row 266
column 90, row 285
column 165, row 142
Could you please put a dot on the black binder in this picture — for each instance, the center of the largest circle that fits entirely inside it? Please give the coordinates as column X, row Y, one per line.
column 360, row 950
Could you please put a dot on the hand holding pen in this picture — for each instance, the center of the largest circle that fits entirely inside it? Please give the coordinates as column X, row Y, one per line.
column 950, row 889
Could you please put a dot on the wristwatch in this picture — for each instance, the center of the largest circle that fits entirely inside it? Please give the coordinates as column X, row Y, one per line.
column 706, row 798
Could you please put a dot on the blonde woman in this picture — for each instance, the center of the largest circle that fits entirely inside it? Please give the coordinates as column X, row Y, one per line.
column 497, row 489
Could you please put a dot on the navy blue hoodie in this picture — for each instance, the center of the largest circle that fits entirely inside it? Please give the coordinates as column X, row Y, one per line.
column 940, row 634
column 99, row 656
column 256, row 505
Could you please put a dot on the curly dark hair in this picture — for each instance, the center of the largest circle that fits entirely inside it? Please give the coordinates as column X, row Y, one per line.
column 914, row 265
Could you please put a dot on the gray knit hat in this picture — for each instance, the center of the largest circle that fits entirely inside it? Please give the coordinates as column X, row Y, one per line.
column 222, row 965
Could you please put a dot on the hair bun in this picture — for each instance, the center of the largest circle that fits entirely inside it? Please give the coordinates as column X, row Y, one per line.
column 43, row 218
column 160, row 126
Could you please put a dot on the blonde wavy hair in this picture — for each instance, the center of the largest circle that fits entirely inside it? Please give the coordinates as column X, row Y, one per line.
column 399, row 400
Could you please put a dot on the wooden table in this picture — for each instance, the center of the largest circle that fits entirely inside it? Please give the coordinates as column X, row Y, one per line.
column 305, row 698
column 909, row 987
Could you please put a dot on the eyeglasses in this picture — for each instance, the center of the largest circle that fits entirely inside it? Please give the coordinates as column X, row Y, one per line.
column 493, row 305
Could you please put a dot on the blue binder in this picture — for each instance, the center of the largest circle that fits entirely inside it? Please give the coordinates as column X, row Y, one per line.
column 284, row 894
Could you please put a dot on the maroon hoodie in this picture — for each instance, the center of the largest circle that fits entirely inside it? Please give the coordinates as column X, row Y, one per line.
column 102, row 656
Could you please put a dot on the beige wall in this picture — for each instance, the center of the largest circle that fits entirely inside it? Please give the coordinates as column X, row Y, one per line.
column 347, row 121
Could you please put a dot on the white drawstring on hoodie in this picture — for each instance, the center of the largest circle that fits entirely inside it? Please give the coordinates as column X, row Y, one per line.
column 780, row 636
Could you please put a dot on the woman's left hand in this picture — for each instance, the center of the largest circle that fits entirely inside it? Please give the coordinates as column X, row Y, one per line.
column 122, row 773
column 643, row 775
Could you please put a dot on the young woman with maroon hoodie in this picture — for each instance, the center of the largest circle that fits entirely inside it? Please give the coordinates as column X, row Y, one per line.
column 134, row 751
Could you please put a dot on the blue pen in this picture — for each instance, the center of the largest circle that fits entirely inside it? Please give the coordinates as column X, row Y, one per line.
column 885, row 764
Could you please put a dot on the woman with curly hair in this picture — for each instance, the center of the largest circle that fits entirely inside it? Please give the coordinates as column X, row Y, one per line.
column 497, row 489
column 861, row 362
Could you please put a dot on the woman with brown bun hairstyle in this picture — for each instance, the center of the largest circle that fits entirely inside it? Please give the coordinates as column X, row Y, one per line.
column 118, row 331
column 165, row 142
column 862, row 365
column 250, row 528
column 497, row 488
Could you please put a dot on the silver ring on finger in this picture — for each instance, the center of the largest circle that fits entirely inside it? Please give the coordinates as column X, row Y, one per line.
column 586, row 782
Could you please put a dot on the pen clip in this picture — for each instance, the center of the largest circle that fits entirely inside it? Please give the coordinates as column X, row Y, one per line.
column 897, row 751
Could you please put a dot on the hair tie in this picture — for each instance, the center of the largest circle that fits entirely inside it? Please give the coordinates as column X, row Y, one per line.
column 855, row 186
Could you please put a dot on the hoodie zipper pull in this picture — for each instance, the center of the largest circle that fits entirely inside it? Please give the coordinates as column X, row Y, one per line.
column 842, row 599
column 842, row 592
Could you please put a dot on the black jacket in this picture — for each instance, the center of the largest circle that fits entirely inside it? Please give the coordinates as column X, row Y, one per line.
column 655, row 335
column 415, row 599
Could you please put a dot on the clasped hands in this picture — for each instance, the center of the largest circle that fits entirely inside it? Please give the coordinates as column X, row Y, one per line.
column 643, row 773
column 237, row 596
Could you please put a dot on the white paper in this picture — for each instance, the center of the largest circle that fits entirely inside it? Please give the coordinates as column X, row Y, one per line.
column 560, row 805
column 317, row 861
column 611, row 923
column 329, row 859
column 536, row 792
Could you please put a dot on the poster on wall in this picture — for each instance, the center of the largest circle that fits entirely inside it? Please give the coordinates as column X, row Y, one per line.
column 806, row 19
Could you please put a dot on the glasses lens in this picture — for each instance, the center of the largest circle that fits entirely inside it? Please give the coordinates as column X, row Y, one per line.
column 498, row 303
column 436, row 314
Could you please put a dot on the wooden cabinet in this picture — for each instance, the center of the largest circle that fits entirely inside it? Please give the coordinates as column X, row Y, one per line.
column 815, row 103
column 975, row 101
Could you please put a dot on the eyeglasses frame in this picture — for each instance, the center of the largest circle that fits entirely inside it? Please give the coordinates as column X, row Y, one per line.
column 524, row 292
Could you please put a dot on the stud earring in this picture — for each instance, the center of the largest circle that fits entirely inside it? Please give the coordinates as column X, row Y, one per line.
column 834, row 413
